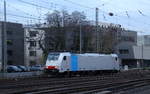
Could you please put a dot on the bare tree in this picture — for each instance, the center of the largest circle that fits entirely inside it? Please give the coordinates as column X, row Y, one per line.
column 63, row 18
column 61, row 23
column 54, row 19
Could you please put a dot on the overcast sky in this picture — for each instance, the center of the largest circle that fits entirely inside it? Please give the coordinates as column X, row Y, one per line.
column 131, row 14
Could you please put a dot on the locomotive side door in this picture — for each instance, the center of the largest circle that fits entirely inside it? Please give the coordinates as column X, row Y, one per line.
column 65, row 64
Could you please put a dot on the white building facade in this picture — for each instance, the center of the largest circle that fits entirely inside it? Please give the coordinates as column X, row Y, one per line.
column 143, row 40
column 33, row 51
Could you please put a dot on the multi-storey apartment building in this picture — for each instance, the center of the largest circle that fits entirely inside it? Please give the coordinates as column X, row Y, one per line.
column 15, row 43
column 33, row 51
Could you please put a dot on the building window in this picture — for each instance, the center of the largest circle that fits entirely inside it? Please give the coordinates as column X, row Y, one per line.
column 32, row 63
column 32, row 43
column 10, row 52
column 128, row 38
column 9, row 42
column 32, row 53
column 9, row 62
column 9, row 32
column 33, row 33
column 124, row 51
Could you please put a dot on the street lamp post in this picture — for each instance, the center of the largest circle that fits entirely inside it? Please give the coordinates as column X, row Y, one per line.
column 142, row 61
column 97, row 33
column 4, row 42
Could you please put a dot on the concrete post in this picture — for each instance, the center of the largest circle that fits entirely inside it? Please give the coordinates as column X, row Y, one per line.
column 138, row 64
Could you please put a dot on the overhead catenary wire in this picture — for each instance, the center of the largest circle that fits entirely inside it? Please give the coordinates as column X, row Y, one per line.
column 52, row 3
column 21, row 10
column 105, row 3
column 36, row 5
column 64, row 0
column 105, row 13
column 10, row 14
column 78, row 4
column 32, row 4
column 87, row 7
column 29, row 16
column 67, row 1
column 135, row 20
column 126, row 12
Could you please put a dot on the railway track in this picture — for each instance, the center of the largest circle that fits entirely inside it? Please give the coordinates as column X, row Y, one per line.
column 90, row 87
column 52, row 83
column 46, row 81
column 123, row 86
column 89, row 84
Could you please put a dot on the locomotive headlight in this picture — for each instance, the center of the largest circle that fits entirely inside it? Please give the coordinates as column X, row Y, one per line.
column 57, row 67
column 46, row 67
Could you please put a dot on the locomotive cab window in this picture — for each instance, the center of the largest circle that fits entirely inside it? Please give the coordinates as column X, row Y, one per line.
column 64, row 58
column 53, row 57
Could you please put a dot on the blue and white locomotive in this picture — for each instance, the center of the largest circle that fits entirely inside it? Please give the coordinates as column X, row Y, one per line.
column 64, row 62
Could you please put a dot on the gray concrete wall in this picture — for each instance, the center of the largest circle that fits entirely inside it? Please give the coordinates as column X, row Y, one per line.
column 135, row 52
column 141, row 52
column 126, row 46
column 20, row 75
column 129, row 36
column 147, row 40
column 128, row 39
